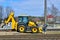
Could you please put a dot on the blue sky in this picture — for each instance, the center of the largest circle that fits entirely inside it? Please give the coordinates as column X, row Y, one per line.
column 29, row 7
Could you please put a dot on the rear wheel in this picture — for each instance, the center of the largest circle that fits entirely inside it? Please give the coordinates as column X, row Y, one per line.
column 21, row 29
column 34, row 30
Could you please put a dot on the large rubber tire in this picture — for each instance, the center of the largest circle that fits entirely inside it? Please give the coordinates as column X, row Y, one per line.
column 34, row 30
column 21, row 29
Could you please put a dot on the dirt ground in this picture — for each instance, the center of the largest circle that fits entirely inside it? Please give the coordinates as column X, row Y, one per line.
column 50, row 35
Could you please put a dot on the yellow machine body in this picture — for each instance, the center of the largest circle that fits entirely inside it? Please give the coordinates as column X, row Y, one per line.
column 14, row 23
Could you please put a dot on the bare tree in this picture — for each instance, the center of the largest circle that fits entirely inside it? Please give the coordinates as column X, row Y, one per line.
column 54, row 12
column 8, row 10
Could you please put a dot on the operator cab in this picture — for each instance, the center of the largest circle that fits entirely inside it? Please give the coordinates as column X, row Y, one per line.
column 22, row 19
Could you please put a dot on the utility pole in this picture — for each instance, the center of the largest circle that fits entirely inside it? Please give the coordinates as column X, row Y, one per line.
column 45, row 11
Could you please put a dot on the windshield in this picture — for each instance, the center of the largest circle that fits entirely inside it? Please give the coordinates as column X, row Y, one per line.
column 25, row 19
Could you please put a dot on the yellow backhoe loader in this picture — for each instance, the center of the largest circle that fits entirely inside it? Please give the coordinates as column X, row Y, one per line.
column 23, row 24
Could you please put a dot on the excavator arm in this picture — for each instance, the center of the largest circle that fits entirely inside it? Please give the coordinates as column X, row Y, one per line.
column 11, row 18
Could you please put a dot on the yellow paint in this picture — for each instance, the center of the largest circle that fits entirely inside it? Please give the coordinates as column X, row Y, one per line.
column 31, row 24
